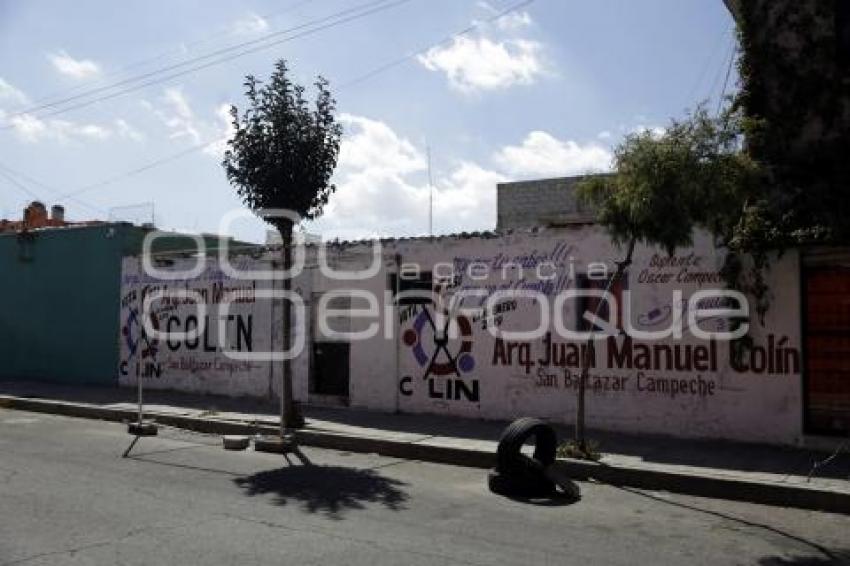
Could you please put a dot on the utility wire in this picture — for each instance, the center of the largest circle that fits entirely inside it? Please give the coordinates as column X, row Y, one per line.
column 163, row 55
column 726, row 80
column 189, row 61
column 372, row 9
column 142, row 169
column 716, row 82
column 19, row 185
column 404, row 58
column 362, row 78
column 708, row 63
column 8, row 172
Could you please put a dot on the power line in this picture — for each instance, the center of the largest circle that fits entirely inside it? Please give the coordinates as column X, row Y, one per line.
column 726, row 80
column 372, row 9
column 187, row 62
column 19, row 185
column 472, row 27
column 362, row 78
column 142, row 169
column 163, row 55
column 716, row 82
column 7, row 172
column 708, row 63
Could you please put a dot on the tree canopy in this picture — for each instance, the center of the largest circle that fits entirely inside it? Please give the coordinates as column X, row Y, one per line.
column 284, row 150
column 694, row 174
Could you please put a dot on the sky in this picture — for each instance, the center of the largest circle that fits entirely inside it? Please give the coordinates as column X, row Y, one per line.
column 119, row 109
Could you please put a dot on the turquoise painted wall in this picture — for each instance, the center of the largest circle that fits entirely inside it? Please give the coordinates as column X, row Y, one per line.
column 59, row 300
column 59, row 304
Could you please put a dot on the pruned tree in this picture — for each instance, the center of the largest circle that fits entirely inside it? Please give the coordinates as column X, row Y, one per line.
column 282, row 155
column 693, row 175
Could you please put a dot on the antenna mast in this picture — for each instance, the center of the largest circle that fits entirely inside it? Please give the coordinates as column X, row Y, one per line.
column 430, row 194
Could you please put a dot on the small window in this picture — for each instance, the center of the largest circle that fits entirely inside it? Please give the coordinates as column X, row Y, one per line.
column 589, row 304
column 408, row 286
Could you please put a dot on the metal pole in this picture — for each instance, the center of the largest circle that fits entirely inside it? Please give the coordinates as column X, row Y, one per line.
column 139, row 358
column 580, row 439
column 282, row 396
column 430, row 194
column 397, row 330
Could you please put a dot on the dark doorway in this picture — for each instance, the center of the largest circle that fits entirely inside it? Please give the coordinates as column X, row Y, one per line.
column 827, row 340
column 589, row 304
column 331, row 368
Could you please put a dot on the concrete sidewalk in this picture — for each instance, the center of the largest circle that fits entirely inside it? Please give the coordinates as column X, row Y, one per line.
column 750, row 472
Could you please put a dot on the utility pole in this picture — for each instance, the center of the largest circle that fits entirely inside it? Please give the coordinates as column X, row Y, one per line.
column 430, row 194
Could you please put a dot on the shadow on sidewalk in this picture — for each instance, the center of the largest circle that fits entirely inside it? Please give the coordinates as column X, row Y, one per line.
column 329, row 490
column 649, row 448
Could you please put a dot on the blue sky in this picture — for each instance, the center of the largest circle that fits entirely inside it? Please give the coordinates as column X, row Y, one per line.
column 546, row 90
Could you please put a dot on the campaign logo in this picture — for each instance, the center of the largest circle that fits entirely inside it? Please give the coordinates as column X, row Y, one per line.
column 436, row 355
column 140, row 346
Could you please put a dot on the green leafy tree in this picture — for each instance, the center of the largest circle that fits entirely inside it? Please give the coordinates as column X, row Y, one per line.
column 282, row 156
column 794, row 69
column 694, row 175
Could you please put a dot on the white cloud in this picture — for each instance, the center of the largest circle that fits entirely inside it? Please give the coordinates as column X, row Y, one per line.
column 176, row 114
column 604, row 135
column 11, row 94
column 126, row 131
column 655, row 131
column 216, row 148
column 92, row 131
column 250, row 24
column 542, row 155
column 510, row 21
column 29, row 128
column 382, row 188
column 472, row 64
column 373, row 145
column 375, row 194
column 177, row 100
column 32, row 129
column 514, row 21
column 466, row 199
column 183, row 122
column 74, row 68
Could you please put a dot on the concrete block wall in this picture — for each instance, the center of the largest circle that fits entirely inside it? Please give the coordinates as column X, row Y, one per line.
column 543, row 202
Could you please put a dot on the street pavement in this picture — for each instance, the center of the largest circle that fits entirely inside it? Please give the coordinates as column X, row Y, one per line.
column 68, row 497
column 756, row 463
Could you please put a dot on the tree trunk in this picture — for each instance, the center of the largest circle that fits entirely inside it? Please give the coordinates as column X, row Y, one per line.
column 287, row 414
column 580, row 437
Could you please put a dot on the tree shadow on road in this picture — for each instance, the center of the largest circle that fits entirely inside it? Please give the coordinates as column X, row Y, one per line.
column 329, row 490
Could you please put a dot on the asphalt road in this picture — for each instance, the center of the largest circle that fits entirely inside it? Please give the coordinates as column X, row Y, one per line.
column 68, row 497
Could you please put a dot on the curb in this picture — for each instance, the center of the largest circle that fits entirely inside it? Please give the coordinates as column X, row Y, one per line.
column 423, row 451
column 711, row 486
column 702, row 485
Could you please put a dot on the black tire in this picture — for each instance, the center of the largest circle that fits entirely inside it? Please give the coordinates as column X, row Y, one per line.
column 519, row 485
column 510, row 459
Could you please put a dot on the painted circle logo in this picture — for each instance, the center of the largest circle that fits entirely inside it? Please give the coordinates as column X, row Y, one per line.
column 436, row 358
column 134, row 333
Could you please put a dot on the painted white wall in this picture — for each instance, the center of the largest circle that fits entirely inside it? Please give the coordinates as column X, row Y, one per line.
column 387, row 376
column 743, row 405
column 201, row 364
